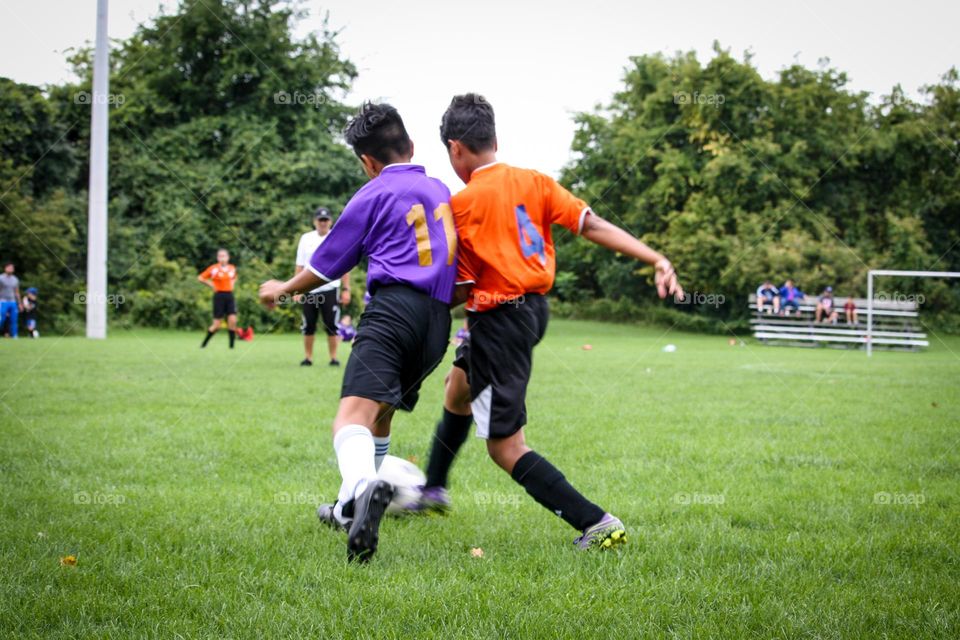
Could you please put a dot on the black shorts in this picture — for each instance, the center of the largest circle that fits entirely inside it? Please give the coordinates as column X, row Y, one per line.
column 224, row 305
column 321, row 305
column 500, row 360
column 402, row 337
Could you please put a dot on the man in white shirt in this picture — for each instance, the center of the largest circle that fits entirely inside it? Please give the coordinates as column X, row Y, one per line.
column 323, row 303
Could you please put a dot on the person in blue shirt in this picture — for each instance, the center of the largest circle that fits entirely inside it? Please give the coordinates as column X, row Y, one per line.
column 790, row 297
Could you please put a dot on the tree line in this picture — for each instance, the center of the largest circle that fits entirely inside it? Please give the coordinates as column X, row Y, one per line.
column 225, row 131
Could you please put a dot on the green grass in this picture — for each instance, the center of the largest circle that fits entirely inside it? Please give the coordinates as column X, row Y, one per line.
column 752, row 481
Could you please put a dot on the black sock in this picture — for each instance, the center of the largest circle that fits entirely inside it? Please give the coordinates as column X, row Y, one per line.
column 233, row 336
column 451, row 433
column 547, row 485
column 207, row 339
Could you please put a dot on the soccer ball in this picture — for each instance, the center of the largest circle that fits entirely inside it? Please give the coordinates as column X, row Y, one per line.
column 406, row 478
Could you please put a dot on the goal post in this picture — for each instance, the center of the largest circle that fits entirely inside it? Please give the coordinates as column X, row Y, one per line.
column 893, row 272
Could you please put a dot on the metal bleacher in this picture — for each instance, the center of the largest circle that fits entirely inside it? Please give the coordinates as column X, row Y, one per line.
column 896, row 325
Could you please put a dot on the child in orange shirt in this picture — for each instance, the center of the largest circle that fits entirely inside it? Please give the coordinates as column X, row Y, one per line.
column 507, row 263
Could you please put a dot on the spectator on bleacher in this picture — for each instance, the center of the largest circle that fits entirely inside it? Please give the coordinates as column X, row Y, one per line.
column 826, row 311
column 768, row 294
column 790, row 297
column 850, row 310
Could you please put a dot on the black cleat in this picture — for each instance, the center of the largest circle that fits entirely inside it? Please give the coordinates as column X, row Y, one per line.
column 306, row 362
column 334, row 362
column 368, row 510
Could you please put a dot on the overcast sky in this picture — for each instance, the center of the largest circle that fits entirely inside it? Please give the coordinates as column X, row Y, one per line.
column 538, row 62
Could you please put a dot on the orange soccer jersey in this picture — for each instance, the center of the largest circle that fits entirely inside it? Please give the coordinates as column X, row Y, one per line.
column 223, row 277
column 503, row 219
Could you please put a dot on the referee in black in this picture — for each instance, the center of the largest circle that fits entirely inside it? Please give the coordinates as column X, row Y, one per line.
column 323, row 303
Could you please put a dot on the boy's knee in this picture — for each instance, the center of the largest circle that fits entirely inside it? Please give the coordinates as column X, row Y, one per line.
column 457, row 392
column 506, row 451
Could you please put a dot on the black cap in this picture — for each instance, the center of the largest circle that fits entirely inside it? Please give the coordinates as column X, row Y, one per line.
column 322, row 213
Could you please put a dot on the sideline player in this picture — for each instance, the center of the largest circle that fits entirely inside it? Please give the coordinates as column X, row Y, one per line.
column 401, row 221
column 507, row 261
column 221, row 277
column 322, row 303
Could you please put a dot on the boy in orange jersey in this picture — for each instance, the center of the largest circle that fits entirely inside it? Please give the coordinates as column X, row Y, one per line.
column 221, row 277
column 507, row 263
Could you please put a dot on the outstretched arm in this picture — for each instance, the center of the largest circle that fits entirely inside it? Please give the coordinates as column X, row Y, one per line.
column 605, row 234
column 274, row 291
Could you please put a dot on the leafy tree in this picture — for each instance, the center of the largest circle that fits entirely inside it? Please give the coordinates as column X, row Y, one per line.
column 738, row 179
column 224, row 131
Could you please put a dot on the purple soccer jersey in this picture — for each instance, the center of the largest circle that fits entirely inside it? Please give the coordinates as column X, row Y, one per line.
column 347, row 334
column 400, row 220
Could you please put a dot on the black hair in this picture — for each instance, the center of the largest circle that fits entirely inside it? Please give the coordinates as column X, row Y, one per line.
column 377, row 131
column 469, row 119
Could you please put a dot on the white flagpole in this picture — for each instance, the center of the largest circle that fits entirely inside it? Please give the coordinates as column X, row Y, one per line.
column 97, row 211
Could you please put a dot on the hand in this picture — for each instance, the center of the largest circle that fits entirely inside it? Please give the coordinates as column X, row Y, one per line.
column 272, row 292
column 345, row 297
column 666, row 280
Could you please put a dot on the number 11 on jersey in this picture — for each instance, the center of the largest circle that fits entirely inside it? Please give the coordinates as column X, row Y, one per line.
column 417, row 217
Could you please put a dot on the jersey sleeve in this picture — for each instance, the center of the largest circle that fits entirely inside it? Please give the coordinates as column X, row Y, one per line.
column 205, row 275
column 346, row 242
column 562, row 207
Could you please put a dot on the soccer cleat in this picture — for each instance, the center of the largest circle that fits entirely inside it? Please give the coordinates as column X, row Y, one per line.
column 368, row 510
column 326, row 516
column 306, row 362
column 434, row 499
column 334, row 362
column 607, row 533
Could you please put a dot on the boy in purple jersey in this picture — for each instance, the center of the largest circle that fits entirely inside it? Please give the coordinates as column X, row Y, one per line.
column 401, row 221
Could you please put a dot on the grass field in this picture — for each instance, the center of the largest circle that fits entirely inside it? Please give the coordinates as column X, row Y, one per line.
column 769, row 492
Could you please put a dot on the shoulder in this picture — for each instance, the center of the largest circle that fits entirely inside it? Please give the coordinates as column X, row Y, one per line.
column 529, row 175
column 440, row 186
column 372, row 188
column 540, row 183
column 369, row 195
column 462, row 197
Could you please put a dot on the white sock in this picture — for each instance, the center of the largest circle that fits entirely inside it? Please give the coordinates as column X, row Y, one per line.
column 354, row 446
column 381, row 449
